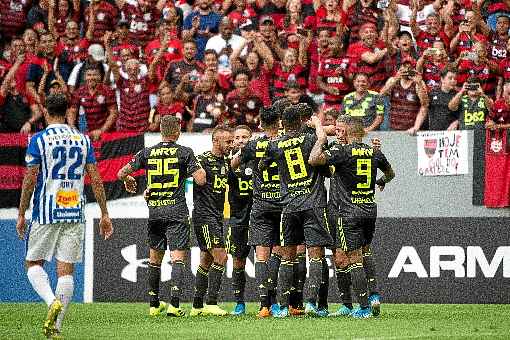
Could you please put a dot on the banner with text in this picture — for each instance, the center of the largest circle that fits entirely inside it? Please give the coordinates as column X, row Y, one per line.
column 442, row 153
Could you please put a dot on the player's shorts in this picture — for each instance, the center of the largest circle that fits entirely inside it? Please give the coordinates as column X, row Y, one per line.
column 237, row 240
column 64, row 241
column 353, row 232
column 209, row 232
column 264, row 228
column 309, row 227
column 168, row 233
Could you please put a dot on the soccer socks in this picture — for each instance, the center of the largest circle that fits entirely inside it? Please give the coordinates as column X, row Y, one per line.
column 299, row 280
column 177, row 282
column 215, row 275
column 314, row 279
column 359, row 284
column 370, row 271
column 343, row 279
column 201, row 284
column 273, row 265
column 262, row 277
column 238, row 283
column 64, row 292
column 39, row 281
column 285, row 276
column 154, row 272
column 324, row 288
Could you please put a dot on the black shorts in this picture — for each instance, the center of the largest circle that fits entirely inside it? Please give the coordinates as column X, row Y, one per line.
column 237, row 240
column 353, row 232
column 264, row 228
column 209, row 232
column 308, row 226
column 173, row 234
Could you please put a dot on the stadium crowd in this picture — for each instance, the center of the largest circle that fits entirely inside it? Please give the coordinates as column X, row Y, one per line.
column 399, row 65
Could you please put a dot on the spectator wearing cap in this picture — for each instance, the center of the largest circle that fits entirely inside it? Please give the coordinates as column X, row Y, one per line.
column 102, row 16
column 471, row 30
column 13, row 18
column 96, row 57
column 472, row 104
column 60, row 13
column 364, row 104
column 498, row 39
column 431, row 64
column 476, row 64
column 208, row 106
column 36, row 70
column 259, row 61
column 334, row 77
column 92, row 107
column 404, row 50
column 142, row 17
column 433, row 30
column 15, row 111
column 70, row 49
column 187, row 65
column 367, row 56
column 243, row 105
column 499, row 115
column 318, row 50
column 268, row 31
column 224, row 42
column 360, row 13
column 440, row 117
column 408, row 99
column 201, row 25
column 288, row 70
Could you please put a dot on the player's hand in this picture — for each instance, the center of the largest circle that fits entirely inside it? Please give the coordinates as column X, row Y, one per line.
column 315, row 121
column 130, row 184
column 376, row 144
column 381, row 187
column 105, row 227
column 146, row 194
column 21, row 226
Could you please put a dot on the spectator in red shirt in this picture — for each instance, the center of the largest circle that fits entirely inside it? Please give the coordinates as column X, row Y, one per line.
column 332, row 16
column 498, row 40
column 317, row 51
column 397, row 54
column 188, row 64
column 433, row 32
column 142, row 17
column 93, row 108
column 35, row 69
column 239, row 11
column 243, row 105
column 102, row 16
column 499, row 114
column 14, row 17
column 168, row 104
column 360, row 13
column 60, row 13
column 208, row 106
column 70, row 50
column 287, row 70
column 471, row 30
column 431, row 64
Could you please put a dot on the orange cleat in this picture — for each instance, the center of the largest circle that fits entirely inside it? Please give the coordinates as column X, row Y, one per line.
column 296, row 311
column 264, row 313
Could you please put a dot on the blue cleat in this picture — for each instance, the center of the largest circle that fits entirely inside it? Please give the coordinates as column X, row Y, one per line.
column 342, row 311
column 240, row 309
column 361, row 313
column 322, row 312
column 275, row 309
column 283, row 312
column 311, row 309
column 375, row 303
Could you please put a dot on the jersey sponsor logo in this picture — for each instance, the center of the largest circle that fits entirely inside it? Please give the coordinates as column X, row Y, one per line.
column 219, row 183
column 463, row 262
column 498, row 53
column 67, row 214
column 68, row 198
column 163, row 152
column 245, row 185
column 471, row 118
column 335, row 80
column 130, row 272
column 284, row 144
column 362, row 152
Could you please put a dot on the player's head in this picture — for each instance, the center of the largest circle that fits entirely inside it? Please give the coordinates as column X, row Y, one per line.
column 269, row 118
column 170, row 127
column 242, row 134
column 355, row 130
column 223, row 138
column 342, row 125
column 305, row 111
column 56, row 105
column 291, row 118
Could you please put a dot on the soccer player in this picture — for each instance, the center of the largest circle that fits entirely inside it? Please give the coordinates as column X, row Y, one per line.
column 356, row 166
column 304, row 213
column 57, row 159
column 266, row 210
column 168, row 164
column 207, row 221
column 240, row 197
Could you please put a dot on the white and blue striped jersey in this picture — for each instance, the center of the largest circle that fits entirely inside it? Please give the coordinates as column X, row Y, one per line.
column 61, row 153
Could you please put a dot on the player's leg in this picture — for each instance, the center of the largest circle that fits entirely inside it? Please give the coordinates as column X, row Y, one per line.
column 273, row 265
column 369, row 265
column 64, row 290
column 237, row 246
column 201, row 228
column 262, row 254
column 156, row 234
column 298, row 284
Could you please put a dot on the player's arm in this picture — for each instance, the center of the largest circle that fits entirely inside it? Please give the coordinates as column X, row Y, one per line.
column 200, row 177
column 386, row 168
column 124, row 175
column 317, row 156
column 27, row 190
column 105, row 224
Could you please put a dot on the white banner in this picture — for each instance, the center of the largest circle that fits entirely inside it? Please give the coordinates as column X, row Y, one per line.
column 442, row 153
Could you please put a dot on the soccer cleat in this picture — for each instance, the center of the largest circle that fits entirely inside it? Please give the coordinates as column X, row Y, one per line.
column 283, row 312
column 342, row 311
column 49, row 325
column 275, row 308
column 196, row 312
column 264, row 313
column 296, row 311
column 214, row 310
column 174, row 311
column 322, row 312
column 311, row 309
column 375, row 303
column 361, row 313
column 240, row 309
column 155, row 311
column 56, row 335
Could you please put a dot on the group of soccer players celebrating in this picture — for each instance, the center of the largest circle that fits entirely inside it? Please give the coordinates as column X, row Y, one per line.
column 279, row 206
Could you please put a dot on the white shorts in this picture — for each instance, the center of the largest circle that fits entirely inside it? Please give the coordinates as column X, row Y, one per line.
column 64, row 241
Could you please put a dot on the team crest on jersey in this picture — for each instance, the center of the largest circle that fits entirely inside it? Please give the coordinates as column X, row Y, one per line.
column 100, row 99
column 68, row 198
column 250, row 104
column 248, row 171
column 100, row 16
column 496, row 145
column 411, row 97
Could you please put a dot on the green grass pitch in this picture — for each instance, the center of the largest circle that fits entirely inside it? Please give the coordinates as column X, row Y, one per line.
column 131, row 321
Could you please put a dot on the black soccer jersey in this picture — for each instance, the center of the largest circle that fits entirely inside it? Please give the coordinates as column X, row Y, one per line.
column 167, row 165
column 240, row 190
column 301, row 185
column 355, row 171
column 266, row 184
column 209, row 199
